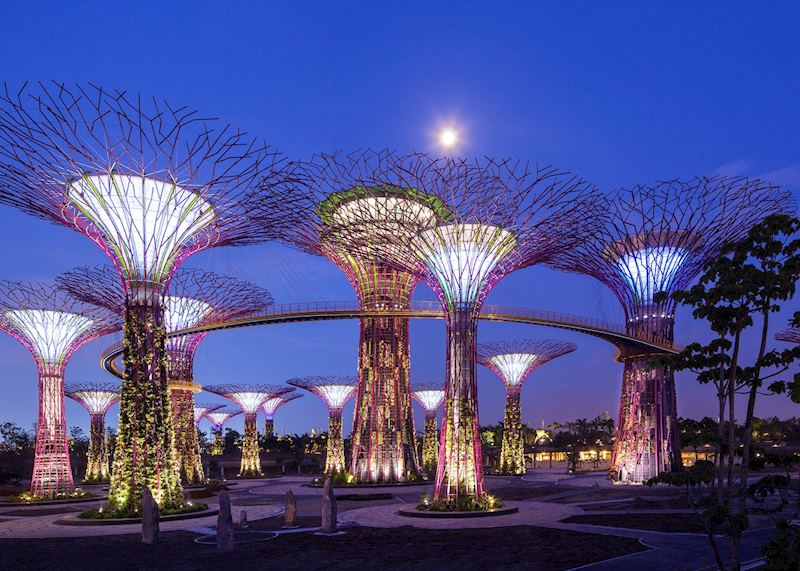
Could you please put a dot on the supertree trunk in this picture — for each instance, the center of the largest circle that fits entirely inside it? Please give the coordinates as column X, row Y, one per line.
column 269, row 428
column 460, row 469
column 384, row 448
column 52, row 473
column 512, row 452
column 251, row 459
column 430, row 442
column 97, row 457
column 187, row 447
column 647, row 435
column 144, row 454
column 334, row 461
column 218, row 446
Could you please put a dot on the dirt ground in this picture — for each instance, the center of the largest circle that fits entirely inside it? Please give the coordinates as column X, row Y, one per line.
column 361, row 548
column 676, row 523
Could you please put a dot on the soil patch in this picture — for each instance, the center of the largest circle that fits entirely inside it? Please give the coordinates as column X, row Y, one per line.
column 362, row 549
column 674, row 523
column 530, row 492
column 43, row 511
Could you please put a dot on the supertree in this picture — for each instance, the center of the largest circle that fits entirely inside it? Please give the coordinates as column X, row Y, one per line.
column 202, row 410
column 192, row 297
column 218, row 419
column 249, row 398
column 513, row 361
column 51, row 325
column 383, row 439
column 151, row 184
column 271, row 406
column 431, row 397
column 499, row 217
column 96, row 398
column 335, row 391
column 657, row 239
column 790, row 335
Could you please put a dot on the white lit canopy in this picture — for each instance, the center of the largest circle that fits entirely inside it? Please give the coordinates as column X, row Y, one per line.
column 145, row 222
column 514, row 367
column 272, row 404
column 95, row 401
column 50, row 333
column 462, row 258
column 430, row 399
column 650, row 270
column 249, row 401
column 218, row 418
column 336, row 395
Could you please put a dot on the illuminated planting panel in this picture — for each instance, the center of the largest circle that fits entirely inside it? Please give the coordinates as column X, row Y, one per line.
column 462, row 257
column 145, row 221
column 650, row 270
column 96, row 402
column 514, row 366
column 183, row 312
column 430, row 399
column 219, row 418
column 50, row 332
column 336, row 395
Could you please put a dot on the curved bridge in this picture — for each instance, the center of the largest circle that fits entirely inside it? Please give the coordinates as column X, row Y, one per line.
column 325, row 310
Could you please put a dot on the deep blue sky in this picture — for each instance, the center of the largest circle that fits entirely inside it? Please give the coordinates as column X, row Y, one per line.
column 619, row 93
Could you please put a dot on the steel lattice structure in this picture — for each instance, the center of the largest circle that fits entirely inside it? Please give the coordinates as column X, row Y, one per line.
column 150, row 184
column 335, row 390
column 201, row 410
column 430, row 397
column 193, row 297
column 51, row 325
column 790, row 335
column 513, row 361
column 499, row 216
column 218, row 419
column 346, row 207
column 657, row 239
column 96, row 398
column 270, row 407
column 249, row 398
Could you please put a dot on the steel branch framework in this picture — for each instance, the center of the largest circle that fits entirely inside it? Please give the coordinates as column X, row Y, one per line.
column 96, row 398
column 335, row 391
column 150, row 184
column 192, row 298
column 430, row 397
column 218, row 419
column 496, row 217
column 270, row 407
column 657, row 239
column 513, row 361
column 51, row 325
column 201, row 410
column 249, row 398
column 351, row 201
column 790, row 335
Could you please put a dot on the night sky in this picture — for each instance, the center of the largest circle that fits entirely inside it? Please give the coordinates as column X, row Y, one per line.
column 619, row 93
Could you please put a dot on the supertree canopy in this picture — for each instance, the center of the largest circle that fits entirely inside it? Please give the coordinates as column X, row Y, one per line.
column 96, row 398
column 346, row 207
column 335, row 391
column 431, row 397
column 249, row 398
column 270, row 406
column 657, row 239
column 151, row 184
column 513, row 361
column 790, row 335
column 202, row 410
column 218, row 419
column 499, row 216
column 51, row 325
column 193, row 297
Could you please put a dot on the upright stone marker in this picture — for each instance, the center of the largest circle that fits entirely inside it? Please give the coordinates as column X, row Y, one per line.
column 243, row 519
column 225, row 538
column 328, row 508
column 290, row 511
column 150, row 517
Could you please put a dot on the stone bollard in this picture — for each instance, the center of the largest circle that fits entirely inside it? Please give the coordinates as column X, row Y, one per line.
column 290, row 511
column 225, row 538
column 243, row 519
column 150, row 517
column 328, row 508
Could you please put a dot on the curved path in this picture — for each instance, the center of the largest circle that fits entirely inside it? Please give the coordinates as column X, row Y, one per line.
column 328, row 310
